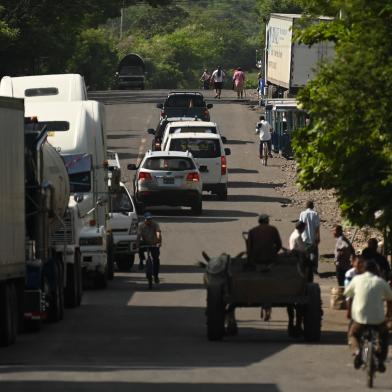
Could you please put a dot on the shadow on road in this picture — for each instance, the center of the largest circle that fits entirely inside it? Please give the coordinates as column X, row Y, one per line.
column 252, row 184
column 121, row 136
column 237, row 170
column 256, row 198
column 117, row 386
column 237, row 142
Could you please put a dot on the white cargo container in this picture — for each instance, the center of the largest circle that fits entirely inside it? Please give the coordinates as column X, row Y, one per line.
column 290, row 65
column 45, row 88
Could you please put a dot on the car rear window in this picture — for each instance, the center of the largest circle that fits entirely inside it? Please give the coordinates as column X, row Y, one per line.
column 172, row 164
column 192, row 129
column 120, row 201
column 42, row 91
column 185, row 101
column 200, row 148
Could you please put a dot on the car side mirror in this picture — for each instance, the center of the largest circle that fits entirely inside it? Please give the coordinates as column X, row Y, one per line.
column 78, row 197
column 224, row 139
column 159, row 105
column 210, row 106
column 131, row 166
column 151, row 131
column 227, row 151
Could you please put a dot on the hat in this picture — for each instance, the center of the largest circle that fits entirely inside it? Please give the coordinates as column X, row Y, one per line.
column 147, row 215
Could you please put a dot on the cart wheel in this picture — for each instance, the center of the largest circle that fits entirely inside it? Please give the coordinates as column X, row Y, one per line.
column 313, row 314
column 215, row 313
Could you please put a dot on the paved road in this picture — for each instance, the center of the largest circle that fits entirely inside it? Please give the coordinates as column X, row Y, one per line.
column 129, row 339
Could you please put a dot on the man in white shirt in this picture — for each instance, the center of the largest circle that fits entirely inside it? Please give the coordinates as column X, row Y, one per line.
column 264, row 129
column 367, row 293
column 218, row 77
column 311, row 234
column 295, row 241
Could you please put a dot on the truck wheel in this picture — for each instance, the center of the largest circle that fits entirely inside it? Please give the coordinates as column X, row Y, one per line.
column 215, row 313
column 110, row 253
column 197, row 207
column 71, row 289
column 313, row 314
column 8, row 314
column 222, row 192
column 55, row 313
column 125, row 262
column 101, row 280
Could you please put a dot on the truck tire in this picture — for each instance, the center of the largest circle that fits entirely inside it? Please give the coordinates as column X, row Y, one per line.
column 110, row 253
column 101, row 280
column 8, row 314
column 125, row 262
column 222, row 192
column 56, row 310
column 197, row 207
column 313, row 314
column 71, row 289
column 215, row 313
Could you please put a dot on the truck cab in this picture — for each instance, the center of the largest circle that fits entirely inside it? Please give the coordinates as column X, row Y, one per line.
column 131, row 72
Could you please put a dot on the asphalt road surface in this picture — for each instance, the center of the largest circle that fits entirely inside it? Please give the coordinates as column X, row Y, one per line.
column 127, row 338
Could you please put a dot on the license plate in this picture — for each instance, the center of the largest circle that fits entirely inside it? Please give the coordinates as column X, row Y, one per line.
column 168, row 180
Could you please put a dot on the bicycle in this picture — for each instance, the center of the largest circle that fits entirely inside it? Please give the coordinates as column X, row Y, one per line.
column 369, row 350
column 149, row 264
column 264, row 153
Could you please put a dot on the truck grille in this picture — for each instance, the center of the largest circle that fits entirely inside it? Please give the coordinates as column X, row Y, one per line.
column 63, row 234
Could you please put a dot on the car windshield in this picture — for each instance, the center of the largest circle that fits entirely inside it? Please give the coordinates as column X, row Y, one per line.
column 79, row 172
column 200, row 148
column 120, row 201
column 169, row 164
column 185, row 101
column 192, row 129
column 131, row 70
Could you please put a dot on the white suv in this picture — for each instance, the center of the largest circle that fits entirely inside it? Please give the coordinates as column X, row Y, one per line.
column 123, row 223
column 210, row 155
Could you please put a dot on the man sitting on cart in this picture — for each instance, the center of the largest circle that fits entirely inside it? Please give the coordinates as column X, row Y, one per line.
column 263, row 245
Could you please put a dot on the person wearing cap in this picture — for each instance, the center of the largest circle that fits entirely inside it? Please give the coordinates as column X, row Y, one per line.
column 149, row 234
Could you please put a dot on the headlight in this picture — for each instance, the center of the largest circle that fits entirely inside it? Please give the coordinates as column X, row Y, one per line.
column 90, row 241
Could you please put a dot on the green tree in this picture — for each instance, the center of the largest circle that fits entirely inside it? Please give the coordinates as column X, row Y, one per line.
column 348, row 144
column 95, row 57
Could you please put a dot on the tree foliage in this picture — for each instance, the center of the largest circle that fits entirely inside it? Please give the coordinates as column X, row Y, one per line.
column 348, row 144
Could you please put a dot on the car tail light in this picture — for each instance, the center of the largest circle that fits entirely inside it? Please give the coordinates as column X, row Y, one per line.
column 158, row 145
column 194, row 176
column 223, row 165
column 206, row 113
column 163, row 114
column 144, row 176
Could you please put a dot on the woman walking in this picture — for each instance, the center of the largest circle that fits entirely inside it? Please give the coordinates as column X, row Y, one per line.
column 239, row 82
column 218, row 76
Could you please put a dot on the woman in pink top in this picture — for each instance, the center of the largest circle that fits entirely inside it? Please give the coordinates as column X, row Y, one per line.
column 239, row 81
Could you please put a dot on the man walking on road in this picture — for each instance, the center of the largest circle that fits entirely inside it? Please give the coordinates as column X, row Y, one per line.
column 343, row 253
column 264, row 129
column 311, row 234
column 218, row 77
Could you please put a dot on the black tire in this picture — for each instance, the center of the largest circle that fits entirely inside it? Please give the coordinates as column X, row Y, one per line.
column 55, row 311
column 101, row 280
column 72, row 291
column 222, row 192
column 8, row 314
column 110, row 253
column 215, row 313
column 125, row 262
column 197, row 207
column 370, row 365
column 312, row 313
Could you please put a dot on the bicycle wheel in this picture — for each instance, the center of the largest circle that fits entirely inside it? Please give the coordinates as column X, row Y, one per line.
column 370, row 363
column 149, row 271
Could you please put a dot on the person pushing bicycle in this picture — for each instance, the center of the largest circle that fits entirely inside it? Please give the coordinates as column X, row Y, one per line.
column 149, row 237
column 264, row 129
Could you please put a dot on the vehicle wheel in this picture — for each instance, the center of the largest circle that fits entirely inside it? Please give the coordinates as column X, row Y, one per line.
column 215, row 313
column 8, row 314
column 313, row 314
column 369, row 362
column 110, row 253
column 72, row 287
column 101, row 280
column 55, row 313
column 125, row 262
column 197, row 207
column 222, row 192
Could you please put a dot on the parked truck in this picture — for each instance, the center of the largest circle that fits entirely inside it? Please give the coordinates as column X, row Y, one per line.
column 289, row 65
column 33, row 199
column 131, row 72
column 76, row 130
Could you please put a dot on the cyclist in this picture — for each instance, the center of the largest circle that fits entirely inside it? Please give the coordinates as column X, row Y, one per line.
column 150, row 235
column 264, row 129
column 367, row 293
